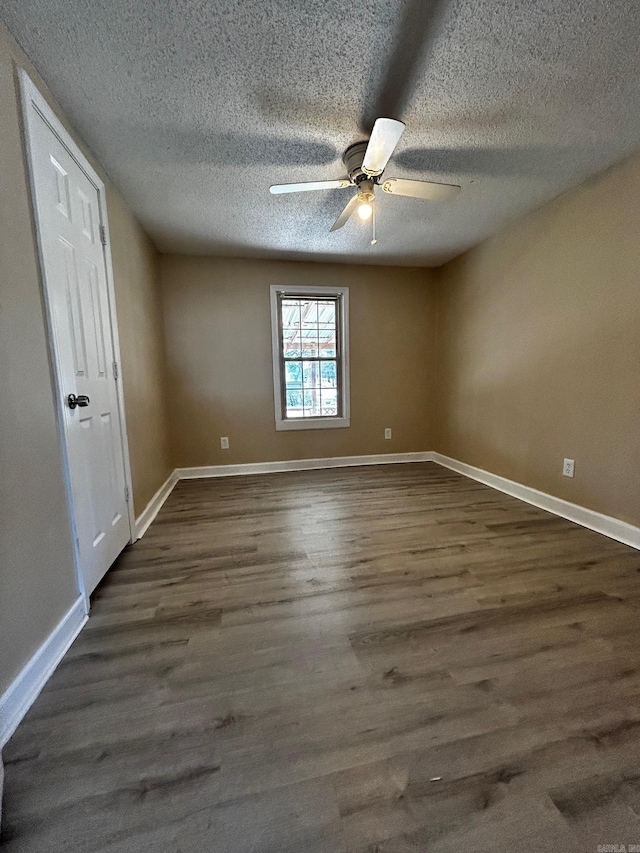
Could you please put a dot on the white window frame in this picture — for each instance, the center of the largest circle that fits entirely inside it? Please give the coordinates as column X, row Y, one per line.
column 282, row 422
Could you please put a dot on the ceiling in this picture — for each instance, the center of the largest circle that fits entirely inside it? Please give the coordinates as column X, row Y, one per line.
column 194, row 107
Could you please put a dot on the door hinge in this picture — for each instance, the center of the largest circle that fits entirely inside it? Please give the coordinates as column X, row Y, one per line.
column 126, row 493
column 115, row 370
column 103, row 235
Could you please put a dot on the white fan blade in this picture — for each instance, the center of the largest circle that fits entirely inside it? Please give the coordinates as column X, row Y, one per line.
column 426, row 190
column 341, row 184
column 385, row 136
column 346, row 213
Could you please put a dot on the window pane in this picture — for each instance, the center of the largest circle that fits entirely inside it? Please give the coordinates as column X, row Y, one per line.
column 312, row 406
column 291, row 345
column 330, row 402
column 309, row 313
column 310, row 342
column 311, row 374
column 328, row 374
column 290, row 313
column 294, row 408
column 326, row 343
column 293, row 375
column 326, row 313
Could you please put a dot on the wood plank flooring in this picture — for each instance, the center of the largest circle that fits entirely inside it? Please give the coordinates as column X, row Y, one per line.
column 368, row 660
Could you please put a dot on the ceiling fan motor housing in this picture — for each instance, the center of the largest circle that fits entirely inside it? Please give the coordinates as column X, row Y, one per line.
column 352, row 159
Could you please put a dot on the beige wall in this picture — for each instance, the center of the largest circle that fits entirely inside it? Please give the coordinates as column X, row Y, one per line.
column 138, row 303
column 218, row 336
column 540, row 348
column 37, row 581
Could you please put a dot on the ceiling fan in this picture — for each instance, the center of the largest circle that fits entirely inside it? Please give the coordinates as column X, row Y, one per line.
column 365, row 162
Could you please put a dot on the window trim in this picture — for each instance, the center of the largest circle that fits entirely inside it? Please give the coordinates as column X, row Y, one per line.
column 344, row 420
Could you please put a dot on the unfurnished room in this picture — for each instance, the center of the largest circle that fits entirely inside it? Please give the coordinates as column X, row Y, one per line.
column 319, row 426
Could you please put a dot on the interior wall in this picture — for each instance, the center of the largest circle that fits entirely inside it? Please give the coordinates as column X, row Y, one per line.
column 37, row 579
column 136, row 270
column 218, row 339
column 539, row 355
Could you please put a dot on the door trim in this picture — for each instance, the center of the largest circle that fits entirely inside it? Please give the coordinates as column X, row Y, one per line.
column 34, row 104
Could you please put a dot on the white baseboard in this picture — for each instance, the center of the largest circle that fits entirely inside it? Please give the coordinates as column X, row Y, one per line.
column 24, row 690
column 153, row 507
column 605, row 524
column 299, row 465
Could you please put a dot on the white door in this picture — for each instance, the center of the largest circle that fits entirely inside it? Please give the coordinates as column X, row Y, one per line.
column 75, row 279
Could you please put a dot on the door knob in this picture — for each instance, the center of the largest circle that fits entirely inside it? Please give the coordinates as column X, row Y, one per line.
column 81, row 400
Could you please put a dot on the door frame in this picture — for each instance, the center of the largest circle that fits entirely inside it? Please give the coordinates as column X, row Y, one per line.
column 34, row 108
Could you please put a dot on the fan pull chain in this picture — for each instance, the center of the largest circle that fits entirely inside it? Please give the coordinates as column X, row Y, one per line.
column 374, row 239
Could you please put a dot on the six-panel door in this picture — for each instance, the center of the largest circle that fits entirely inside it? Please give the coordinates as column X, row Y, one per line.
column 68, row 216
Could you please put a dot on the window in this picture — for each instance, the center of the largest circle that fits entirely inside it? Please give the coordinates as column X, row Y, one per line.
column 309, row 328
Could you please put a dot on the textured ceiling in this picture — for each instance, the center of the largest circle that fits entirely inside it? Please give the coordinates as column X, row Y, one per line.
column 195, row 107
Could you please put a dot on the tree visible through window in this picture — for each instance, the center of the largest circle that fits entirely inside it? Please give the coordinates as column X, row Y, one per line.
column 309, row 351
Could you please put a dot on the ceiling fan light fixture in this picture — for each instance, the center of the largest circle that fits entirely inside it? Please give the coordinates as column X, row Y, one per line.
column 364, row 211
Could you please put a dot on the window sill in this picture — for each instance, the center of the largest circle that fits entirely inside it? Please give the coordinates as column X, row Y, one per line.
column 313, row 423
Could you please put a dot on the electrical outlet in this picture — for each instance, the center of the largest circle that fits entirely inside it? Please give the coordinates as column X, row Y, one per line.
column 568, row 467
column 387, row 432
column 224, row 442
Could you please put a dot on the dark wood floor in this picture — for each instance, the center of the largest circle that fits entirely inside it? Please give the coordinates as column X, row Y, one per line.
column 384, row 659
